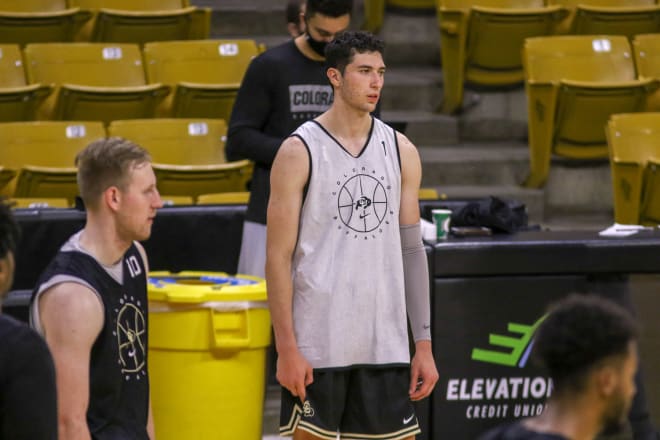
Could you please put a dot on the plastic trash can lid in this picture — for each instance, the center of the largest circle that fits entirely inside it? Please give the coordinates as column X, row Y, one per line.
column 198, row 287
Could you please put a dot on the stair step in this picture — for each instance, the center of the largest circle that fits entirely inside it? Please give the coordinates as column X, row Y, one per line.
column 480, row 164
column 412, row 88
column 424, row 128
column 411, row 39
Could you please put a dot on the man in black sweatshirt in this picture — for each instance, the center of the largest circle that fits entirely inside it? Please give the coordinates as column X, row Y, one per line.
column 282, row 88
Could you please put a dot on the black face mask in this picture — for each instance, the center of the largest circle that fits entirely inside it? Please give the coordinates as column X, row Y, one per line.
column 317, row 46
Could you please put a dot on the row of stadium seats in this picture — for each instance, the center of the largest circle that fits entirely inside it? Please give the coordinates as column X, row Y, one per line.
column 105, row 82
column 573, row 85
column 37, row 158
column 122, row 21
column 481, row 40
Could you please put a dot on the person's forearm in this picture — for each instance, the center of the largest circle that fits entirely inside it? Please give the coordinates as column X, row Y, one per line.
column 71, row 428
column 280, row 301
column 250, row 143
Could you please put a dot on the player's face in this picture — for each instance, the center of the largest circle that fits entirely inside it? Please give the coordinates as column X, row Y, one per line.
column 139, row 203
column 362, row 81
column 620, row 402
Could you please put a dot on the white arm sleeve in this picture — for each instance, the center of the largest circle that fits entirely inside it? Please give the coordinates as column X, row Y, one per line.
column 416, row 276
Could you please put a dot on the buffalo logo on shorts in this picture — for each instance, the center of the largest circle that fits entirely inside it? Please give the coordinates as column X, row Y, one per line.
column 308, row 411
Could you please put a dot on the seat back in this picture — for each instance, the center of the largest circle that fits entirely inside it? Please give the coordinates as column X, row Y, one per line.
column 467, row 4
column 190, row 180
column 615, row 17
column 12, row 71
column 634, row 144
column 131, row 5
column 225, row 198
column 646, row 48
column 176, row 141
column 44, row 143
column 578, row 58
column 32, row 5
column 88, row 64
column 201, row 61
column 47, row 182
column 141, row 27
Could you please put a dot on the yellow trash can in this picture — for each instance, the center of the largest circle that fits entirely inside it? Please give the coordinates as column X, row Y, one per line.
column 208, row 334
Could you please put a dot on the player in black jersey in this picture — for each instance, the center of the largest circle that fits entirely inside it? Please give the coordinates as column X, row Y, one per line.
column 91, row 301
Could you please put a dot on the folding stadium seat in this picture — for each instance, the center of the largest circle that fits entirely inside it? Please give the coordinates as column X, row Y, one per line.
column 39, row 202
column 176, row 141
column 374, row 10
column 44, row 152
column 18, row 101
column 6, row 176
column 481, row 41
column 646, row 48
column 205, row 74
column 226, row 198
column 95, row 81
column 610, row 17
column 176, row 200
column 33, row 21
column 141, row 21
column 194, row 180
column 634, row 147
column 573, row 84
column 428, row 194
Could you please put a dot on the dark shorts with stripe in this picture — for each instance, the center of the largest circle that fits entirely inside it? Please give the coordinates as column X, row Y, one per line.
column 357, row 402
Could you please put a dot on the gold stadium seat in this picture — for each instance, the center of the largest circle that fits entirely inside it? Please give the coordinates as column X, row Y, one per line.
column 6, row 176
column 38, row 202
column 18, row 100
column 481, row 41
column 169, row 200
column 34, row 21
column 95, row 81
column 176, row 141
column 428, row 194
column 226, row 198
column 50, row 144
column 50, row 182
column 374, row 10
column 609, row 17
column 194, row 180
column 574, row 84
column 646, row 48
column 205, row 74
column 141, row 21
column 634, row 147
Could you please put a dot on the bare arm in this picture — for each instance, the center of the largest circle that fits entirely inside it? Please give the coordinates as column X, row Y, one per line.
column 423, row 367
column 288, row 177
column 150, row 419
column 72, row 318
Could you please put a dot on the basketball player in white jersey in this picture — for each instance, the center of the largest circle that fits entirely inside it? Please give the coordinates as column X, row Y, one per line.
column 346, row 266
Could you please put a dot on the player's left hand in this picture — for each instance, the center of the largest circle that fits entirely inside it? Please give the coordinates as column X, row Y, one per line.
column 423, row 373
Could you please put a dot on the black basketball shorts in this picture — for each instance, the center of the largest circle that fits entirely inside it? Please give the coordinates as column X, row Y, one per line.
column 359, row 403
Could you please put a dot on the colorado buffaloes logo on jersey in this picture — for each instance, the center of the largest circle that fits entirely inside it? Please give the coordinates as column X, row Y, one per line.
column 131, row 334
column 362, row 203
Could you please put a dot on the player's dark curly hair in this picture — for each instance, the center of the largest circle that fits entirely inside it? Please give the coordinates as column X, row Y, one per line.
column 9, row 230
column 578, row 334
column 329, row 8
column 340, row 52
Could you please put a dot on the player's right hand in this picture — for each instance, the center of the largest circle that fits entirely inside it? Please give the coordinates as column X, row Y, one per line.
column 294, row 372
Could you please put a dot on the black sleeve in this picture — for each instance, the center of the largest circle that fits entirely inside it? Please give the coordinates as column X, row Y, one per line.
column 245, row 136
column 30, row 401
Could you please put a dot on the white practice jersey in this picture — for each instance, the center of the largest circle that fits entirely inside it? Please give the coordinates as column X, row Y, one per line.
column 349, row 300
